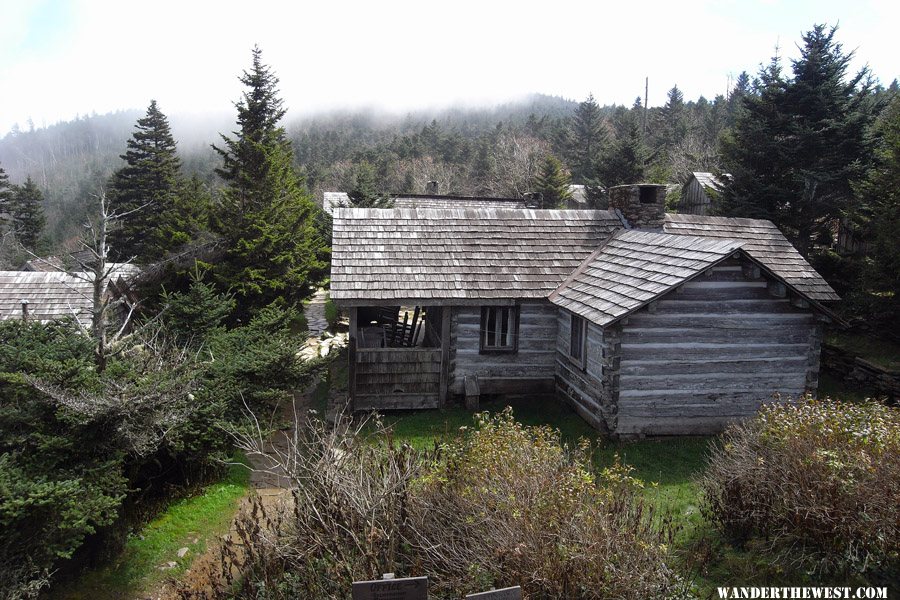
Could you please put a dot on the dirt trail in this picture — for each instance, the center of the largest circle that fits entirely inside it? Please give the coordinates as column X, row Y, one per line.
column 269, row 482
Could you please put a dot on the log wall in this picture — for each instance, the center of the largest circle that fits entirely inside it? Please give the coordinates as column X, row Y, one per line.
column 587, row 385
column 711, row 352
column 397, row 378
column 529, row 370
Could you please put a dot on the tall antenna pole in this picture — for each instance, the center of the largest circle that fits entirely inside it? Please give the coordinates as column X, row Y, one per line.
column 646, row 93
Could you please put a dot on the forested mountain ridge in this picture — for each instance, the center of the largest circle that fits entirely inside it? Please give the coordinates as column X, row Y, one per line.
column 491, row 150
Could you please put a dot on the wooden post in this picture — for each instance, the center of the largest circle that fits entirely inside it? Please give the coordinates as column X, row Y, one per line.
column 444, row 388
column 351, row 355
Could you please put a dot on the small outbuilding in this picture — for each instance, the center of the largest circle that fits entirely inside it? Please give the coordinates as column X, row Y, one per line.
column 698, row 193
column 645, row 322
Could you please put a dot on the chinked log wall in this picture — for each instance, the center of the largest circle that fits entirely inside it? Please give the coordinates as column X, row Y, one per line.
column 712, row 352
column 587, row 385
column 529, row 370
column 397, row 378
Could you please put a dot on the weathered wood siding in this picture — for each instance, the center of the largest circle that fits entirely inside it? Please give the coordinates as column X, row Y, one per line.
column 529, row 370
column 694, row 199
column 397, row 378
column 585, row 385
column 711, row 353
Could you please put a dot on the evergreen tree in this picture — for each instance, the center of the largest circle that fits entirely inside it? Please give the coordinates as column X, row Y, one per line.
column 26, row 214
column 882, row 187
column 5, row 190
column 627, row 159
column 735, row 97
column 673, row 117
column 799, row 144
column 362, row 188
column 146, row 191
column 587, row 140
column 553, row 184
column 267, row 219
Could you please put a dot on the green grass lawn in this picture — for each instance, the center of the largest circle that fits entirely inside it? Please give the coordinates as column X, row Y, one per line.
column 191, row 522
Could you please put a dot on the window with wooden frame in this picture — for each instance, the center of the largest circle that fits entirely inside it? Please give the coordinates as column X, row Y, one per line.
column 577, row 336
column 499, row 328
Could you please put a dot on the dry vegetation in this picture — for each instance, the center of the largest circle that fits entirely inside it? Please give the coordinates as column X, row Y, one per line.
column 501, row 504
column 816, row 480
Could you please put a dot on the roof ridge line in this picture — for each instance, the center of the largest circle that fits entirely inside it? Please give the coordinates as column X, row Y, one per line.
column 584, row 264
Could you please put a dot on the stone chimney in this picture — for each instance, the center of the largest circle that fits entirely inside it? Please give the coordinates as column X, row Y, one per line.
column 431, row 188
column 643, row 205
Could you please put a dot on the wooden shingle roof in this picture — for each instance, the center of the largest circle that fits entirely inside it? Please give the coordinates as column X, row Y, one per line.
column 764, row 242
column 50, row 296
column 428, row 255
column 633, row 268
column 707, row 180
column 424, row 201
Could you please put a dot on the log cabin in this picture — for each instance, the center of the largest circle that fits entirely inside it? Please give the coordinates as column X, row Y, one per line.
column 645, row 322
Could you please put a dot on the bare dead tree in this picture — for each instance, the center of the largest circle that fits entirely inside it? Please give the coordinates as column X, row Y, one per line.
column 108, row 296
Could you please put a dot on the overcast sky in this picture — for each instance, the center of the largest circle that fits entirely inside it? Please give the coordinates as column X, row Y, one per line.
column 59, row 58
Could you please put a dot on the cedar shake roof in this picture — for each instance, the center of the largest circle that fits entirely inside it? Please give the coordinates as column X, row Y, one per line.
column 332, row 200
column 428, row 255
column 763, row 242
column 56, row 295
column 421, row 201
column 708, row 180
column 50, row 295
column 633, row 268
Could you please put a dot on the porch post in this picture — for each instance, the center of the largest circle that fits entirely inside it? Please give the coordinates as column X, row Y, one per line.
column 445, row 357
column 351, row 355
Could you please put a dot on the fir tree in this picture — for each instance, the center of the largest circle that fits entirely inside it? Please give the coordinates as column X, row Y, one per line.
column 26, row 214
column 673, row 126
column 553, row 184
column 627, row 159
column 146, row 190
column 267, row 219
column 799, row 144
column 882, row 187
column 5, row 190
column 362, row 188
column 587, row 140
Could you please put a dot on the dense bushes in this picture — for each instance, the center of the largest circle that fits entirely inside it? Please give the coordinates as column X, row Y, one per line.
column 80, row 450
column 818, row 481
column 502, row 504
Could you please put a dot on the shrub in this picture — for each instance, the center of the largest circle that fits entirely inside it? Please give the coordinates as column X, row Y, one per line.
column 510, row 505
column 503, row 504
column 332, row 313
column 816, row 480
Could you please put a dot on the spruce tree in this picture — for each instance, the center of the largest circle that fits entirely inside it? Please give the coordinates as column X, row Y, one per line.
column 627, row 159
column 26, row 214
column 5, row 190
column 146, row 191
column 799, row 144
column 587, row 140
column 553, row 184
column 268, row 221
column 673, row 119
column 362, row 188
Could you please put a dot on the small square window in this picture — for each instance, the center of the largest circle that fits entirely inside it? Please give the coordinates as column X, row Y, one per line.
column 576, row 338
column 499, row 328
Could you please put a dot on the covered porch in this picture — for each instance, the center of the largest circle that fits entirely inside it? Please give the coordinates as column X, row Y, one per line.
column 399, row 357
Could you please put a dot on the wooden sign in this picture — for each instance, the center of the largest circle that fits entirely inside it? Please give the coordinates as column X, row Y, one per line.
column 410, row 588
column 510, row 593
